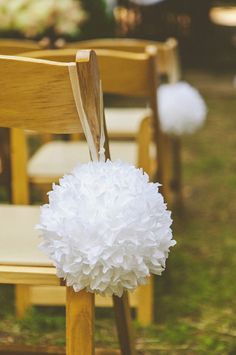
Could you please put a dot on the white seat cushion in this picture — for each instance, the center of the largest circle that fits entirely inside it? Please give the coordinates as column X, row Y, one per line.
column 125, row 120
column 19, row 239
column 57, row 158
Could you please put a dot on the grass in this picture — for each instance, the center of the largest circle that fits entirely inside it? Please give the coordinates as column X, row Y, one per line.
column 195, row 298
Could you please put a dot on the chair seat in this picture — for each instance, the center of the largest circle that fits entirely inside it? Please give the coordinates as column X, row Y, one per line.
column 57, row 158
column 19, row 239
column 125, row 121
column 54, row 159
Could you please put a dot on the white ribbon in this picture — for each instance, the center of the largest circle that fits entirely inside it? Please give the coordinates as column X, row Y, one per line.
column 102, row 134
column 74, row 79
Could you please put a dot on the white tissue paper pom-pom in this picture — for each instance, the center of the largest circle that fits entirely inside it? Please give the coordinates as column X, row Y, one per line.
column 106, row 228
column 181, row 108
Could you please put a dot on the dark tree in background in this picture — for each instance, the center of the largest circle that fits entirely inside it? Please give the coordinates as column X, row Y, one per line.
column 100, row 23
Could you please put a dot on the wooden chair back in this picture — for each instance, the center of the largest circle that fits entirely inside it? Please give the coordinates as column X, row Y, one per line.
column 37, row 95
column 168, row 56
column 14, row 46
column 123, row 73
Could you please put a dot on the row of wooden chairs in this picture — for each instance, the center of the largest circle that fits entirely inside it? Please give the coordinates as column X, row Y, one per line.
column 139, row 79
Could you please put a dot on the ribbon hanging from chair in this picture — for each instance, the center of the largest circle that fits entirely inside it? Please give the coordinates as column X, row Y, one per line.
column 74, row 79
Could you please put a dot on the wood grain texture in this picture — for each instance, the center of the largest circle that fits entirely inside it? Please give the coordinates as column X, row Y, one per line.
column 133, row 66
column 89, row 80
column 37, row 95
column 79, row 322
column 132, row 45
column 28, row 275
column 14, row 46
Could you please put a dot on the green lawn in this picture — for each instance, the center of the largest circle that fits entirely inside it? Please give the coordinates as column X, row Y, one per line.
column 195, row 298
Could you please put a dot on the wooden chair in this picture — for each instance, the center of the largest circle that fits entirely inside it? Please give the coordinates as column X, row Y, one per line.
column 137, row 79
column 169, row 69
column 37, row 95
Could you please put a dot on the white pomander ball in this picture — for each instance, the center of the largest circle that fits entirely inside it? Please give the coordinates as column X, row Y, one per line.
column 106, row 228
column 181, row 108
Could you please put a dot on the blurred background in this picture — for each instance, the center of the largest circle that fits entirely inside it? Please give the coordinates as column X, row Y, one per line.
column 195, row 303
column 205, row 29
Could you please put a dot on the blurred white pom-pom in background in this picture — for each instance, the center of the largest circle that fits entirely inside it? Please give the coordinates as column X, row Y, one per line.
column 146, row 2
column 106, row 228
column 181, row 108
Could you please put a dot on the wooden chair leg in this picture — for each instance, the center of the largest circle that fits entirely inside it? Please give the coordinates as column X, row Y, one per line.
column 144, row 140
column 145, row 303
column 22, row 300
column 5, row 167
column 79, row 322
column 19, row 177
column 177, row 172
column 167, row 170
column 123, row 323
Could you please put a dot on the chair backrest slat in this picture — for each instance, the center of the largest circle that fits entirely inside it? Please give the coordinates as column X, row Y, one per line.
column 168, row 59
column 37, row 95
column 121, row 72
column 128, row 74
